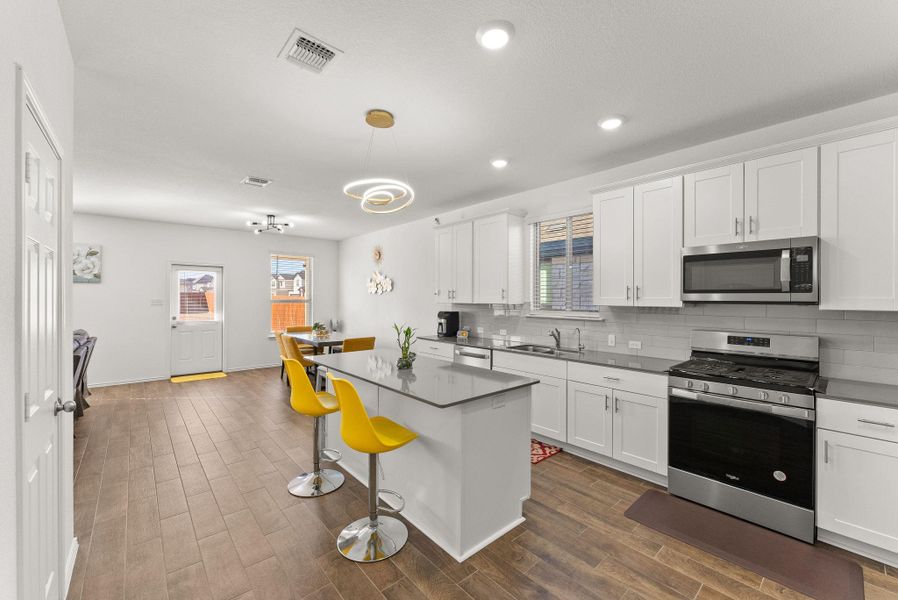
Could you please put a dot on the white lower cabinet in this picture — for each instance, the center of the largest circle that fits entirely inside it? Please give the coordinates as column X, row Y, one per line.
column 438, row 350
column 857, row 475
column 640, row 431
column 589, row 417
column 548, row 413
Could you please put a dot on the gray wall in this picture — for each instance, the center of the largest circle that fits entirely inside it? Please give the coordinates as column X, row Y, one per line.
column 854, row 345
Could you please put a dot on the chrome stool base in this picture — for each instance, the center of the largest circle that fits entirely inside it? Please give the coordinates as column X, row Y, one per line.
column 318, row 483
column 366, row 543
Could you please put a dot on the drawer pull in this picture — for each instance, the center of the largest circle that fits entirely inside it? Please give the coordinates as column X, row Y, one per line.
column 825, row 451
column 880, row 423
column 609, row 378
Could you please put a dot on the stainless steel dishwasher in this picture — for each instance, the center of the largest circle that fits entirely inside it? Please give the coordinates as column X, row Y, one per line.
column 475, row 357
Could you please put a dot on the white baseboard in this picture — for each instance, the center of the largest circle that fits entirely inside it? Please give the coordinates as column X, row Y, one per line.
column 862, row 548
column 102, row 384
column 70, row 564
column 605, row 461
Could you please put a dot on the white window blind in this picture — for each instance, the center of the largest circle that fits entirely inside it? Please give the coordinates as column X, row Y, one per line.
column 291, row 291
column 562, row 264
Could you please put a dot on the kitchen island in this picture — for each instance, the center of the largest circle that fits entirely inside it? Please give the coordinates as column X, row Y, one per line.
column 465, row 477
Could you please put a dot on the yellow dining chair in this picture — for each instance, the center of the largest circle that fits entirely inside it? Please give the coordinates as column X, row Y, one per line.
column 294, row 352
column 375, row 537
column 306, row 401
column 283, row 350
column 358, row 344
column 304, row 348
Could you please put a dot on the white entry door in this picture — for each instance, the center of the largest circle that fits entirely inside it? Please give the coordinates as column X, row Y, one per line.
column 40, row 378
column 195, row 319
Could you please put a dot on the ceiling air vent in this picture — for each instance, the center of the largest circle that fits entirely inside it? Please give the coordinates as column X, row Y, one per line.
column 255, row 181
column 308, row 52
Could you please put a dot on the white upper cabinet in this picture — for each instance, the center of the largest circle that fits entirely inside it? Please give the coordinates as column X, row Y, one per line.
column 498, row 259
column 638, row 237
column 462, row 261
column 858, row 212
column 613, row 248
column 443, row 267
column 781, row 196
column 657, row 240
column 714, row 207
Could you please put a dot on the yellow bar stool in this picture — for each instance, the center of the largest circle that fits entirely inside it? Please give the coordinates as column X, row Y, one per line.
column 306, row 401
column 375, row 537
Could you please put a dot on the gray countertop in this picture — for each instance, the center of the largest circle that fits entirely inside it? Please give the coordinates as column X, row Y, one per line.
column 591, row 357
column 861, row 392
column 436, row 382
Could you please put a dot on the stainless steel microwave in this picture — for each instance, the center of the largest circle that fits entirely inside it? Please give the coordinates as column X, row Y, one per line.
column 776, row 271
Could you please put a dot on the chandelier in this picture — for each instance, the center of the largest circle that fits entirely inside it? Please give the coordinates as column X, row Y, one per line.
column 268, row 225
column 379, row 195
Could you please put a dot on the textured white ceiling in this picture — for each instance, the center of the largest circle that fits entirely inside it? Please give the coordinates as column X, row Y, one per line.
column 176, row 101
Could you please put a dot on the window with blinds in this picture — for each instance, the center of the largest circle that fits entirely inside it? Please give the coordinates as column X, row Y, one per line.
column 291, row 294
column 562, row 265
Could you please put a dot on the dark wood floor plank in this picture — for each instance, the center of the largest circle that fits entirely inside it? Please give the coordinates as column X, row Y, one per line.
column 227, row 577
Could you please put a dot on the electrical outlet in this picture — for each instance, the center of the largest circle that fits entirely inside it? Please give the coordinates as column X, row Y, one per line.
column 480, row 330
column 612, row 339
column 635, row 345
column 503, row 332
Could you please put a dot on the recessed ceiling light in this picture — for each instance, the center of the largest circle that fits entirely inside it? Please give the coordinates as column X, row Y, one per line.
column 611, row 123
column 499, row 163
column 495, row 34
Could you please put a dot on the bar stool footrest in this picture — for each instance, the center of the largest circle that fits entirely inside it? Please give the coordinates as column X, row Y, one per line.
column 331, row 455
column 385, row 508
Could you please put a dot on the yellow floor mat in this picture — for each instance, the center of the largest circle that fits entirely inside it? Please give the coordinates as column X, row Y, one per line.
column 198, row 377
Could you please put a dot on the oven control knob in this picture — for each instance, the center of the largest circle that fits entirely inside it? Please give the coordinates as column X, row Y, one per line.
column 733, row 390
column 784, row 398
column 763, row 395
column 689, row 383
column 705, row 387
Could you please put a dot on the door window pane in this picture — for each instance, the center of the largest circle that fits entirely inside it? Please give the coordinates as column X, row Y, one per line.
column 196, row 295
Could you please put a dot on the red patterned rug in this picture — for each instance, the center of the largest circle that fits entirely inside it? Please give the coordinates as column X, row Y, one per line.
column 540, row 451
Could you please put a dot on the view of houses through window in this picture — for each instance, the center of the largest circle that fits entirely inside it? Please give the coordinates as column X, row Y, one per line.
column 291, row 297
column 196, row 295
column 563, row 265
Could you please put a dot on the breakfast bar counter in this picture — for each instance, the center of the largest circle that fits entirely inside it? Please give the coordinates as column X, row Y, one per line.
column 465, row 477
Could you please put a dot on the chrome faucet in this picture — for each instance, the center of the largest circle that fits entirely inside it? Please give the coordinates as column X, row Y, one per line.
column 556, row 335
column 580, row 346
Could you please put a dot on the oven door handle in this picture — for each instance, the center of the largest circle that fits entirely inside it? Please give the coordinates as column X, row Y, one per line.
column 804, row 414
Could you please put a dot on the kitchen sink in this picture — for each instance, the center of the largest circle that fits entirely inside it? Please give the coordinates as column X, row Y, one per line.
column 547, row 350
column 534, row 348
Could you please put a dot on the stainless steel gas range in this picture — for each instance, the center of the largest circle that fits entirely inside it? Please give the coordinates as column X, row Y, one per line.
column 741, row 427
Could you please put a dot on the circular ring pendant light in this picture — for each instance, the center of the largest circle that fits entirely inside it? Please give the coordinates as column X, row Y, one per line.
column 379, row 195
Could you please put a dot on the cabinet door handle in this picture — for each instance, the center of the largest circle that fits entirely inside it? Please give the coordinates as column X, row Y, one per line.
column 825, row 451
column 606, row 402
column 637, row 292
column 437, row 293
column 880, row 423
column 503, row 293
column 628, row 292
column 751, row 224
column 617, row 405
column 737, row 226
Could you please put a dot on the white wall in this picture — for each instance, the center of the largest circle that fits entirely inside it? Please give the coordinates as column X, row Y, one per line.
column 32, row 35
column 134, row 336
column 409, row 248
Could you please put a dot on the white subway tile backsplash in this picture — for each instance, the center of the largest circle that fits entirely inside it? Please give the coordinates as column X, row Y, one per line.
column 853, row 345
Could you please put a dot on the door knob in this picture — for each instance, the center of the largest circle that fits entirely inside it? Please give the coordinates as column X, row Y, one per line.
column 67, row 406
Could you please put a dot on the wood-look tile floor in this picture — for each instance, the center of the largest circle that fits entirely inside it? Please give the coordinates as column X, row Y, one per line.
column 180, row 493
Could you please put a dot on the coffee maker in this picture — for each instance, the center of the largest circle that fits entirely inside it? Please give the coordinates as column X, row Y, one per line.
column 447, row 323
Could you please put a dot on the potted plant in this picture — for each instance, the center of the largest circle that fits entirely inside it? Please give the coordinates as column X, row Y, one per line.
column 319, row 329
column 405, row 337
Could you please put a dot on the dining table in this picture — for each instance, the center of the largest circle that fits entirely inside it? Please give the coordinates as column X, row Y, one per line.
column 319, row 342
